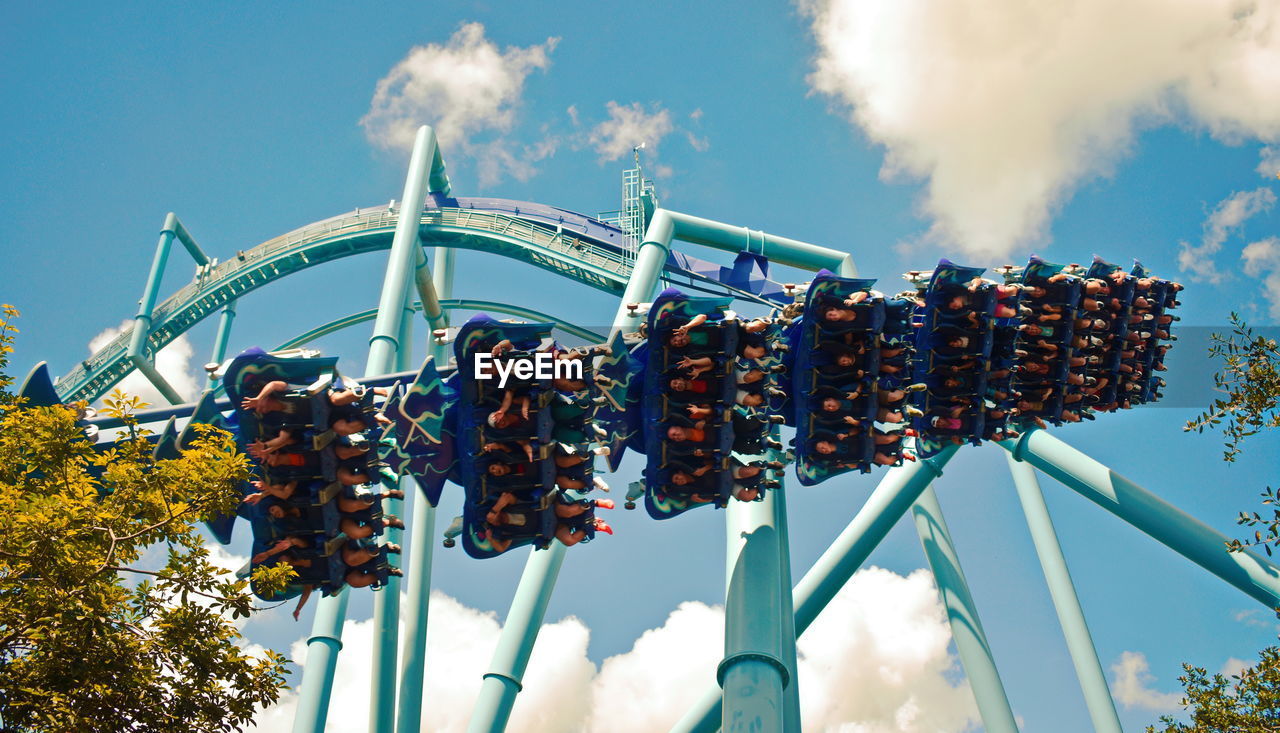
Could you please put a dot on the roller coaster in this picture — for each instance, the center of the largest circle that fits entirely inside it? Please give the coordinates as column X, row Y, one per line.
column 832, row 376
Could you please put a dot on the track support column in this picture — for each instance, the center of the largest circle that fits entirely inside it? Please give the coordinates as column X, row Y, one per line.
column 1097, row 696
column 505, row 677
column 220, row 340
column 966, row 628
column 1176, row 529
column 753, row 673
column 422, row 529
column 384, row 347
column 886, row 505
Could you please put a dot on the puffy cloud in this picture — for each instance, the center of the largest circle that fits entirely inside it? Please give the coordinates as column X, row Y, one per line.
column 647, row 689
column 1004, row 107
column 465, row 88
column 894, row 625
column 1227, row 218
column 628, row 126
column 173, row 362
column 1269, row 162
column 1131, row 685
column 897, row 630
column 1233, row 667
column 1262, row 260
column 460, row 643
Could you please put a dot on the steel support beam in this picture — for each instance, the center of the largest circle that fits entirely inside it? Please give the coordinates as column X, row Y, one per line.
column 1093, row 683
column 421, row 531
column 220, row 340
column 1174, row 528
column 962, row 614
column 136, row 352
column 882, row 510
column 504, row 680
column 384, row 347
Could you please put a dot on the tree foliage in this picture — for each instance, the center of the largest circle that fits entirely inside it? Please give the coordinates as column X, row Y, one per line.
column 1248, row 701
column 1249, row 379
column 112, row 616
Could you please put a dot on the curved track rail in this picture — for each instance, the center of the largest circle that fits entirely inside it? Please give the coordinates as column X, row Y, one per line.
column 563, row 252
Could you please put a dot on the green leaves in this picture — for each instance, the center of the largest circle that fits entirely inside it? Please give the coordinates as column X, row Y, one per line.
column 1248, row 701
column 1250, row 380
column 112, row 615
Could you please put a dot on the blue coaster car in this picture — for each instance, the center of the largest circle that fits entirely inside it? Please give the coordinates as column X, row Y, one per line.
column 523, row 443
column 953, row 346
column 1052, row 298
column 1110, row 309
column 836, row 375
column 312, row 437
column 1159, row 296
column 688, row 410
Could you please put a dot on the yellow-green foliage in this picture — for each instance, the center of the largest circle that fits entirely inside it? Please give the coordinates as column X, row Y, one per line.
column 111, row 615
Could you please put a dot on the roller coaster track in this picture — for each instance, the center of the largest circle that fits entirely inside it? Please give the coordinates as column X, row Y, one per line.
column 562, row 252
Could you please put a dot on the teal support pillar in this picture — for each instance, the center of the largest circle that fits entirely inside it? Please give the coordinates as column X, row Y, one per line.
column 220, row 340
column 505, row 677
column 962, row 613
column 1174, row 528
column 790, row 695
column 753, row 673
column 136, row 353
column 421, row 532
column 142, row 321
column 1084, row 656
column 384, row 348
column 882, row 510
column 322, row 658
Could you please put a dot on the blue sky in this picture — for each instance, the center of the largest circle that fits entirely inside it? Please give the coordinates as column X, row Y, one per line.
column 912, row 140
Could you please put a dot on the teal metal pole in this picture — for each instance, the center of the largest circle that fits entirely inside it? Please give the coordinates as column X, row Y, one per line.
column 1097, row 696
column 882, row 510
column 504, row 679
column 790, row 695
column 753, row 673
column 386, row 603
column 1176, row 529
column 142, row 321
column 962, row 613
column 220, row 339
column 421, row 547
column 313, row 702
column 730, row 238
column 322, row 658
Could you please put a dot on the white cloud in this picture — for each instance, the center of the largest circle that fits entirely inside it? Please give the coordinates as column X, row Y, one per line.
column 460, row 642
column 1227, row 218
column 1233, row 667
column 668, row 669
column 1131, row 685
column 628, row 126
column 1262, row 260
column 897, row 630
column 465, row 89
column 173, row 362
column 893, row 625
column 1005, row 107
column 1269, row 161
